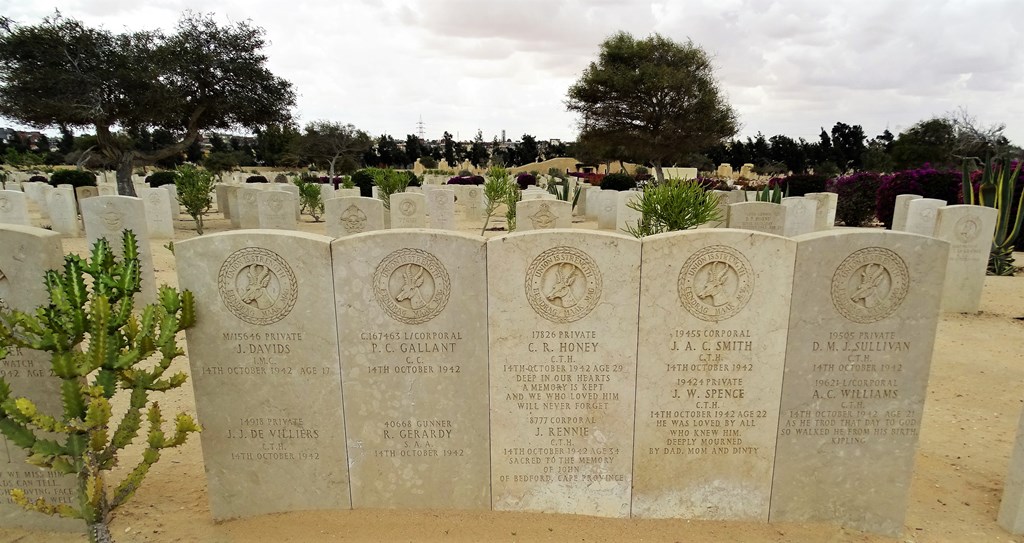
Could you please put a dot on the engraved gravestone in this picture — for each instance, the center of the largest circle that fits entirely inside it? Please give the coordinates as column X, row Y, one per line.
column 62, row 211
column 408, row 210
column 543, row 214
column 82, row 193
column 759, row 216
column 922, row 214
column 580, row 210
column 441, row 208
column 562, row 370
column 264, row 365
column 277, row 209
column 247, row 210
column 107, row 189
column 469, row 203
column 156, row 203
column 414, row 368
column 714, row 307
column 626, row 217
column 221, row 196
column 26, row 253
column 327, row 192
column 899, row 212
column 172, row 202
column 608, row 206
column 353, row 215
column 969, row 230
column 294, row 191
column 861, row 334
column 825, row 213
column 593, row 203
column 14, row 208
column 108, row 217
column 344, row 193
column 800, row 216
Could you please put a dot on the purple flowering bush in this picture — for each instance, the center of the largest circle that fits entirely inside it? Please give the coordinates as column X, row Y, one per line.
column 799, row 184
column 858, row 194
column 525, row 180
column 466, row 180
column 926, row 181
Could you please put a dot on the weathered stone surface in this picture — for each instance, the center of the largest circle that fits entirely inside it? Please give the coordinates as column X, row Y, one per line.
column 714, row 309
column 108, row 217
column 759, row 216
column 63, row 211
column 414, row 368
column 277, row 209
column 562, row 328
column 922, row 214
column 247, row 211
column 801, row 214
column 26, row 253
column 82, row 193
column 346, row 193
column 626, row 217
column 172, row 203
column 899, row 212
column 353, row 215
column 157, row 205
column 107, row 189
column 1011, row 508
column 825, row 213
column 408, row 210
column 969, row 230
column 593, row 203
column 264, row 360
column 539, row 214
column 327, row 191
column 469, row 204
column 14, row 208
column 220, row 192
column 441, row 208
column 861, row 334
column 608, row 206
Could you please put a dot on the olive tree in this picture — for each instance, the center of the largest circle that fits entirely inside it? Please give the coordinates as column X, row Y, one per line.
column 204, row 76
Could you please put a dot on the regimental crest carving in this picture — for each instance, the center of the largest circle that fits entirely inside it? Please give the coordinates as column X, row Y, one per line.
column 275, row 203
column 353, row 219
column 407, row 208
column 249, row 197
column 870, row 285
column 967, row 229
column 113, row 220
column 257, row 286
column 563, row 284
column 411, row 286
column 543, row 218
column 715, row 283
column 473, row 193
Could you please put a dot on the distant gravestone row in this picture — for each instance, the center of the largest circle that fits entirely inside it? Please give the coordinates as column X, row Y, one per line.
column 532, row 372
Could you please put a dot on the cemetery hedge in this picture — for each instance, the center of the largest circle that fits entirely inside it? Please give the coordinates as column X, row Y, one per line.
column 800, row 184
column 159, row 179
column 364, row 180
column 38, row 179
column 256, row 179
column 926, row 181
column 75, row 178
column 618, row 181
column 857, row 194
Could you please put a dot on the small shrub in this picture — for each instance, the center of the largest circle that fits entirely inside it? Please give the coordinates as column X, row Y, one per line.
column 525, row 180
column 364, row 180
column 414, row 181
column 926, row 181
column 468, row 180
column 38, row 179
column 311, row 199
column 256, row 179
column 801, row 183
column 75, row 178
column 712, row 183
column 673, row 205
column 159, row 179
column 388, row 182
column 428, row 162
column 618, row 181
column 857, row 195
column 195, row 192
column 280, row 178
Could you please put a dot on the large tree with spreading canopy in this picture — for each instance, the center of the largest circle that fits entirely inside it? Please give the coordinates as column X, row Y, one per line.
column 62, row 73
column 654, row 100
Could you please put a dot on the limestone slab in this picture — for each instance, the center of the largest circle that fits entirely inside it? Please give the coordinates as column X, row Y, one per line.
column 626, row 217
column 265, row 371
column 172, row 203
column 543, row 214
column 277, row 209
column 469, row 204
column 608, row 206
column 108, row 217
column 63, row 211
column 594, row 202
column 26, row 253
column 825, row 213
column 714, row 308
column 353, row 215
column 562, row 328
column 14, row 208
column 247, row 210
column 899, row 212
column 408, row 210
column 758, row 216
column 861, row 334
column 801, row 214
column 441, row 208
column 157, row 204
column 220, row 192
column 922, row 214
column 969, row 230
column 414, row 368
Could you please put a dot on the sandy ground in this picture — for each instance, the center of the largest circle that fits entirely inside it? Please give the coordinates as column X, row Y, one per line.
column 970, row 417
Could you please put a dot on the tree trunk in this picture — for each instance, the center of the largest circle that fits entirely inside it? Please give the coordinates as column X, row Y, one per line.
column 125, row 187
column 658, row 173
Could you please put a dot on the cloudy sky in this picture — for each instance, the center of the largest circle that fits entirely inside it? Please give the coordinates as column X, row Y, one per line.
column 788, row 66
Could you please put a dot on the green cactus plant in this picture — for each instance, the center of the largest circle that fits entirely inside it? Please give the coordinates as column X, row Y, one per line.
column 771, row 194
column 98, row 345
column 995, row 189
column 560, row 188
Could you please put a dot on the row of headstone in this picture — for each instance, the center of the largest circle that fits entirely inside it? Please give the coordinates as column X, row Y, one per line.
column 669, row 377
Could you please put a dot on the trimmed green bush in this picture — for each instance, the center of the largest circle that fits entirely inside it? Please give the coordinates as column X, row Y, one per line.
column 618, row 181
column 75, row 178
column 159, row 179
column 364, row 180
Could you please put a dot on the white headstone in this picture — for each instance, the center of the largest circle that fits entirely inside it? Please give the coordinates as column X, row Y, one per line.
column 441, row 208
column 353, row 215
column 825, row 213
column 760, row 216
column 801, row 214
column 158, row 212
column 626, row 217
column 542, row 214
column 14, row 208
column 62, row 211
column 247, row 210
column 608, row 206
column 108, row 217
column 277, row 209
column 922, row 214
column 172, row 202
column 408, row 210
column 969, row 230
column 899, row 212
